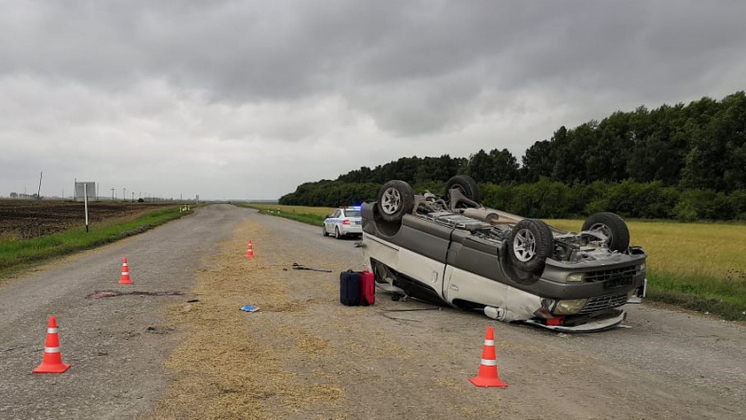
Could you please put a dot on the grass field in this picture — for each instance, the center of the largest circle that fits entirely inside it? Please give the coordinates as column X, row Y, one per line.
column 310, row 215
column 698, row 266
column 28, row 219
column 16, row 254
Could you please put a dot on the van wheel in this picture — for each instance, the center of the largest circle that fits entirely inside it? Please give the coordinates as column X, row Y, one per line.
column 612, row 227
column 395, row 199
column 530, row 245
column 466, row 184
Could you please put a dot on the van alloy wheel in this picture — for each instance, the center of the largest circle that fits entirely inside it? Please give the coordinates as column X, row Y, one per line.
column 395, row 199
column 390, row 201
column 524, row 245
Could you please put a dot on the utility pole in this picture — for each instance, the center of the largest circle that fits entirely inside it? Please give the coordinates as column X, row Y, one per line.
column 112, row 193
column 85, row 200
column 124, row 194
column 133, row 196
column 38, row 193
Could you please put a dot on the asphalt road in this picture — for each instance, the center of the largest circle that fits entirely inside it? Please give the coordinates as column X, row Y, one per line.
column 667, row 365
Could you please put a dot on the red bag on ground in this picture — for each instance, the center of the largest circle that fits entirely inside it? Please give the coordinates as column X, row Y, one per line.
column 367, row 289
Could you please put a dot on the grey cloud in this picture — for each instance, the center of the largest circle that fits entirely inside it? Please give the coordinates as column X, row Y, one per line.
column 253, row 51
column 308, row 73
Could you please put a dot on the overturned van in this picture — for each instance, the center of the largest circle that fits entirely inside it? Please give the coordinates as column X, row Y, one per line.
column 452, row 250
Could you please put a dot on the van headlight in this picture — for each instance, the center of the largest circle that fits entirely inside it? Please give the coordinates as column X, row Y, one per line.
column 569, row 307
column 574, row 278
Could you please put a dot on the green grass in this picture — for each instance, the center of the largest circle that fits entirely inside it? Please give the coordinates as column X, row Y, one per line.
column 697, row 266
column 310, row 215
column 721, row 296
column 16, row 255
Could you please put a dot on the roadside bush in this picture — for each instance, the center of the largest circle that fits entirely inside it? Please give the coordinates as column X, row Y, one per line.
column 694, row 205
column 583, row 196
column 660, row 201
column 738, row 204
column 630, row 199
column 497, row 196
column 330, row 194
column 554, row 199
column 435, row 187
column 622, row 198
column 542, row 199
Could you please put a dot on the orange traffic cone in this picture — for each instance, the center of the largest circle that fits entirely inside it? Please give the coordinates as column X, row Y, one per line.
column 52, row 362
column 250, row 251
column 487, row 376
column 125, row 273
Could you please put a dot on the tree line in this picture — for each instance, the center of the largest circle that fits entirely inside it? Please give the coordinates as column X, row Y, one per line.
column 685, row 161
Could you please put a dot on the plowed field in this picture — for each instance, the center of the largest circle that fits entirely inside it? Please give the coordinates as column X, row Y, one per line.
column 26, row 219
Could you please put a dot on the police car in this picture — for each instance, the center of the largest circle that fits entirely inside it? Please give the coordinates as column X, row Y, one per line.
column 345, row 221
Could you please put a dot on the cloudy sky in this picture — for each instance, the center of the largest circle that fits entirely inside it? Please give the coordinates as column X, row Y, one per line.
column 248, row 99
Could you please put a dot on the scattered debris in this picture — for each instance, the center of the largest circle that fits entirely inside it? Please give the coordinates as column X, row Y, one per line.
column 400, row 320
column 297, row 266
column 159, row 330
column 111, row 293
column 386, row 315
column 103, row 294
column 250, row 308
